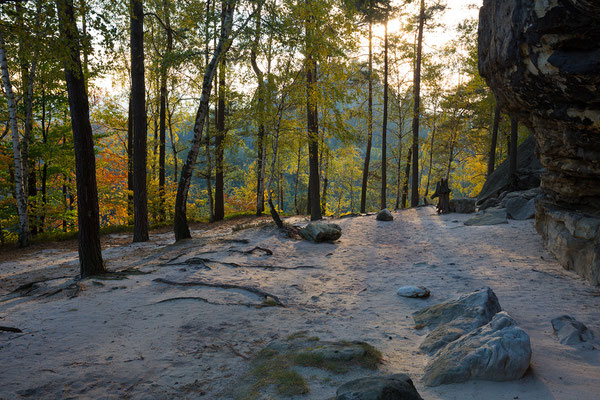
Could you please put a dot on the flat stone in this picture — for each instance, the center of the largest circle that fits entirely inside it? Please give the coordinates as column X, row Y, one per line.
column 321, row 232
column 570, row 331
column 385, row 215
column 497, row 351
column 452, row 319
column 520, row 208
column 491, row 216
column 413, row 291
column 393, row 387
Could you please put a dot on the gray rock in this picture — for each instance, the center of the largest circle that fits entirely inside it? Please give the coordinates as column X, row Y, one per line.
column 498, row 351
column 572, row 238
column 321, row 232
column 452, row 319
column 413, row 291
column 525, row 194
column 462, row 205
column 491, row 216
column 529, row 171
column 491, row 202
column 385, row 215
column 520, row 208
column 393, row 387
column 570, row 331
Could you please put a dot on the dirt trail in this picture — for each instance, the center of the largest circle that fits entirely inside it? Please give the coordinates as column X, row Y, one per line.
column 139, row 336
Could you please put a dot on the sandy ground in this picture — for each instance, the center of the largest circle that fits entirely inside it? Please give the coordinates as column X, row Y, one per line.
column 116, row 339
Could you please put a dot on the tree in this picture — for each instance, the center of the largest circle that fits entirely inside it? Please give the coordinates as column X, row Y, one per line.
column 181, row 228
column 138, row 105
column 18, row 163
column 383, row 202
column 414, row 197
column 90, row 255
column 260, row 161
column 492, row 156
column 514, row 137
column 314, row 186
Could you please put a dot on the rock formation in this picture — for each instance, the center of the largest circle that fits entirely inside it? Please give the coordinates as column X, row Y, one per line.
column 542, row 59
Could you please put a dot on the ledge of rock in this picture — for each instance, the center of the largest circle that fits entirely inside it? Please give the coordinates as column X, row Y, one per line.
column 542, row 61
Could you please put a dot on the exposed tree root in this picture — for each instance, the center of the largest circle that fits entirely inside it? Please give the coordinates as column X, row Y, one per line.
column 257, row 248
column 203, row 300
column 10, row 329
column 203, row 261
column 267, row 296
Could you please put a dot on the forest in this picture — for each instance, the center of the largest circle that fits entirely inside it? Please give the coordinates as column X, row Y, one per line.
column 234, row 199
column 293, row 93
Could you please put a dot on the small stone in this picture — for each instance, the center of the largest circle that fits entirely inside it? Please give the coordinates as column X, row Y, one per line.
column 413, row 292
column 398, row 386
column 570, row 331
column 385, row 215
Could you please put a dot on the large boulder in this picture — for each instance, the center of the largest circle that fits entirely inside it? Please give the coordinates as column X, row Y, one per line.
column 452, row 319
column 541, row 60
column 520, row 208
column 462, row 205
column 385, row 215
column 497, row 351
column 321, row 232
column 393, row 387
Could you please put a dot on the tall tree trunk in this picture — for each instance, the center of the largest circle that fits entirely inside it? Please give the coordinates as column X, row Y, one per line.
column 173, row 146
column 181, row 228
column 19, row 176
column 406, row 177
column 130, row 160
column 90, row 255
column 296, row 180
column 514, row 137
column 164, row 72
column 138, row 105
column 399, row 175
column 220, row 148
column 260, row 168
column 414, row 197
column 220, row 137
column 365, row 177
column 492, row 157
column 325, row 184
column 314, row 183
column 431, row 154
column 383, row 202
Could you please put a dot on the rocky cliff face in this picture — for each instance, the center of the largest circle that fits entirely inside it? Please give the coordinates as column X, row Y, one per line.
column 542, row 59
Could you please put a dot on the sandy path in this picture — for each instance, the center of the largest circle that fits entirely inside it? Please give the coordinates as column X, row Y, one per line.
column 117, row 341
